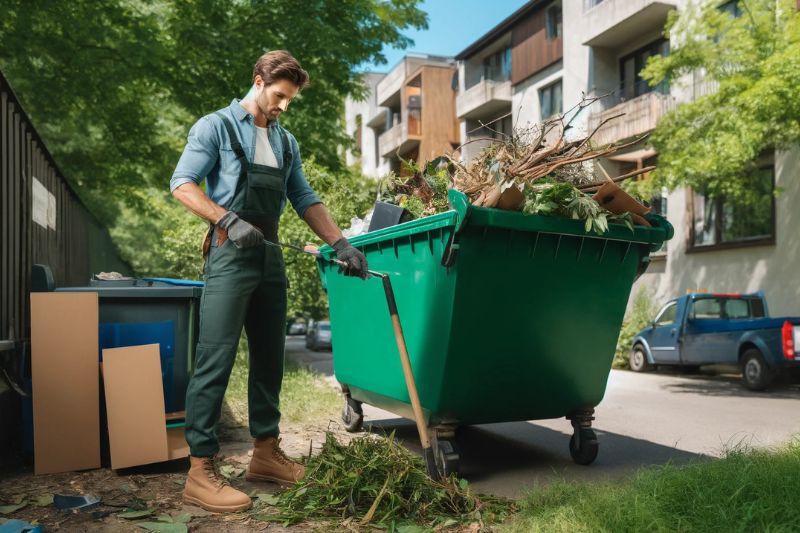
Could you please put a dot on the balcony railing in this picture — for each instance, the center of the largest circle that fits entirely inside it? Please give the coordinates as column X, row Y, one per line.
column 640, row 114
column 612, row 23
column 487, row 96
column 391, row 84
column 390, row 140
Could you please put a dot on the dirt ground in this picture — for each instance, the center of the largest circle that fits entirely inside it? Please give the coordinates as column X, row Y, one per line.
column 160, row 487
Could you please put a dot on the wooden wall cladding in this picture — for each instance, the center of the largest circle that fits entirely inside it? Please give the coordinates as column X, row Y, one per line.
column 531, row 50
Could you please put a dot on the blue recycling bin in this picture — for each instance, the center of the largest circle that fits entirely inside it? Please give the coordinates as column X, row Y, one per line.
column 152, row 311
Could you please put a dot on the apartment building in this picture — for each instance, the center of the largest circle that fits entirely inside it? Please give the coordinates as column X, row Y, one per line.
column 511, row 76
column 544, row 57
column 719, row 246
column 409, row 115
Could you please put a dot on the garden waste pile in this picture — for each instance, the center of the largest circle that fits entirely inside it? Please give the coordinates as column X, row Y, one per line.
column 536, row 171
column 375, row 481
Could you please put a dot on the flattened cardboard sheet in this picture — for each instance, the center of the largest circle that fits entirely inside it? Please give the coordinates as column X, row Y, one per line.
column 66, row 384
column 137, row 432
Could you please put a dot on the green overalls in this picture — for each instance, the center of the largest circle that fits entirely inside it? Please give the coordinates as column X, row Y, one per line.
column 244, row 287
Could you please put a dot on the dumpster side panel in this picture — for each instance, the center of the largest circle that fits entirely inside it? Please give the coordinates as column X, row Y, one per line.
column 365, row 354
column 536, row 320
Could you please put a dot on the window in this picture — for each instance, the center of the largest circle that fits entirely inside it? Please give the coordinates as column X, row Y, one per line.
column 720, row 221
column 358, row 133
column 707, row 308
column 496, row 129
column 735, row 308
column 553, row 20
column 631, row 83
column 497, row 66
column 550, row 103
column 667, row 315
column 414, row 106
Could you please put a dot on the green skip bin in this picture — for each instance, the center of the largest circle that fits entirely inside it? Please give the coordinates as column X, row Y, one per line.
column 506, row 317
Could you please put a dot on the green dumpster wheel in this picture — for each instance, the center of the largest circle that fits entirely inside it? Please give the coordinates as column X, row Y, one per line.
column 352, row 415
column 447, row 457
column 586, row 452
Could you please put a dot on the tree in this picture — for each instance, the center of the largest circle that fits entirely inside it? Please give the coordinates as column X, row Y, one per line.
column 114, row 85
column 712, row 143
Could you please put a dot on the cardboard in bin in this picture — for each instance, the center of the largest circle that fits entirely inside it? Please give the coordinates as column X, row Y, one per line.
column 134, row 405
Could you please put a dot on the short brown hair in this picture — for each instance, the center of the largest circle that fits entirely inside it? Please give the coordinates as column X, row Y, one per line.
column 280, row 65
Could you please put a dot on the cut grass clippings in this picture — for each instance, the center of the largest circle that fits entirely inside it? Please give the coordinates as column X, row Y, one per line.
column 748, row 490
column 376, row 481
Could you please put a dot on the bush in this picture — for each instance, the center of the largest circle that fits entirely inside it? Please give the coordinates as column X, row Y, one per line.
column 641, row 313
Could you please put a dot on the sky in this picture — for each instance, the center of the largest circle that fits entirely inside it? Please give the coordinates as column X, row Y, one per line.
column 452, row 26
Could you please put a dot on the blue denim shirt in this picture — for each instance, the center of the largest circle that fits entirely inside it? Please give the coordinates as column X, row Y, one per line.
column 208, row 155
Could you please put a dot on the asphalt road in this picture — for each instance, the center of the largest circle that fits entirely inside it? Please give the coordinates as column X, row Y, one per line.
column 644, row 419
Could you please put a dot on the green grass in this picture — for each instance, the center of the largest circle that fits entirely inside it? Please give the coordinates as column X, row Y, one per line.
column 305, row 395
column 748, row 490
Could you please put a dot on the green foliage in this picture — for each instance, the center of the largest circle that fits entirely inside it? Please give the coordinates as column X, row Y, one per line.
column 563, row 199
column 114, row 85
column 713, row 142
column 422, row 191
column 346, row 193
column 642, row 311
column 376, row 480
column 745, row 491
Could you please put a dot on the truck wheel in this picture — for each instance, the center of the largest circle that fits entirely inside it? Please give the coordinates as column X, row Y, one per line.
column 638, row 360
column 756, row 374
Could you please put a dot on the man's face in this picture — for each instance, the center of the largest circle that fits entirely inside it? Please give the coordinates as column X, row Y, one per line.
column 275, row 98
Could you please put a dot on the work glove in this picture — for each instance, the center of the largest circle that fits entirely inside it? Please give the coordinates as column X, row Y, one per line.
column 242, row 233
column 355, row 260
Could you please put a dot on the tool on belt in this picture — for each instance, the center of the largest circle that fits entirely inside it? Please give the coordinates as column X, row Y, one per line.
column 425, row 441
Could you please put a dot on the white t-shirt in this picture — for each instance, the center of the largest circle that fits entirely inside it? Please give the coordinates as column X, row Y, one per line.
column 264, row 154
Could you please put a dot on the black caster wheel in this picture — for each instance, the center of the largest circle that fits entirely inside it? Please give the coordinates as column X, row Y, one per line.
column 447, row 457
column 583, row 446
column 352, row 415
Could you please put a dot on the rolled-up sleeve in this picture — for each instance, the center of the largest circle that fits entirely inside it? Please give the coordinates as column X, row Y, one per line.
column 199, row 156
column 299, row 192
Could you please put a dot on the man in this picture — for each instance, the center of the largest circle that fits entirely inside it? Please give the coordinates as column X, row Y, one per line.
column 251, row 165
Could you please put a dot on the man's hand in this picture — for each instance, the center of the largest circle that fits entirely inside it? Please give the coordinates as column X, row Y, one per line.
column 242, row 233
column 356, row 262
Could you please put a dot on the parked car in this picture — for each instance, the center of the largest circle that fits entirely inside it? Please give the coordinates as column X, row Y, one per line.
column 698, row 329
column 318, row 336
column 297, row 328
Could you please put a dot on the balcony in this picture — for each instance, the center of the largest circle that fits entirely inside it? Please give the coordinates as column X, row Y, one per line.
column 397, row 140
column 612, row 23
column 388, row 90
column 486, row 98
column 641, row 115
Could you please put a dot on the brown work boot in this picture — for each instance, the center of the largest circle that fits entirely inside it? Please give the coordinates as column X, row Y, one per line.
column 269, row 463
column 209, row 490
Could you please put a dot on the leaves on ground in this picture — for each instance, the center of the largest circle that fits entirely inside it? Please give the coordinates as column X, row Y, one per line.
column 130, row 515
column 376, row 480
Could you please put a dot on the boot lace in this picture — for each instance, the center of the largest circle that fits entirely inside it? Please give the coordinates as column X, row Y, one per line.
column 211, row 468
column 280, row 455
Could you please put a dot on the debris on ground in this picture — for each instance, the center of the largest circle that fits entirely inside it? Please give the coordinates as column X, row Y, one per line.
column 374, row 480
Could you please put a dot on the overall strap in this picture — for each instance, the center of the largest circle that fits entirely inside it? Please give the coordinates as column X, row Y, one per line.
column 287, row 150
column 236, row 146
